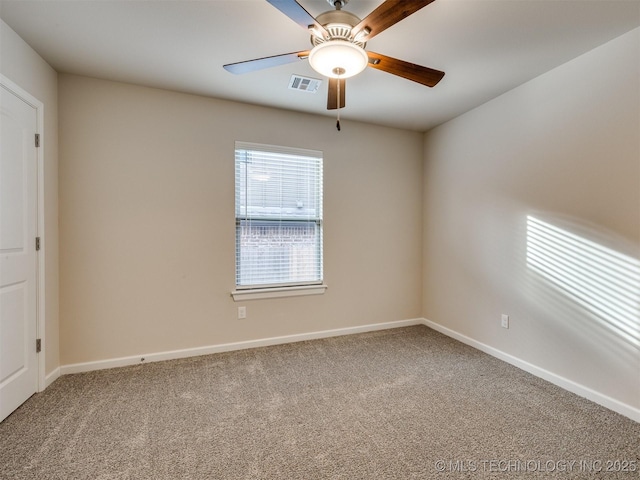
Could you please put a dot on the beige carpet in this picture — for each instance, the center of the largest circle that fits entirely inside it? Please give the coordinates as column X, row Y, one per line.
column 396, row 404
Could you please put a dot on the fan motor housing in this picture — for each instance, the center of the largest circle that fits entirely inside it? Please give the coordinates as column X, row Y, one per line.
column 339, row 24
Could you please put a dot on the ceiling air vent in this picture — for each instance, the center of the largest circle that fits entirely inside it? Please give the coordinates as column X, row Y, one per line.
column 304, row 84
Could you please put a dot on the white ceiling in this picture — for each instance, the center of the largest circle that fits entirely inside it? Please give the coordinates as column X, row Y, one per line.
column 486, row 47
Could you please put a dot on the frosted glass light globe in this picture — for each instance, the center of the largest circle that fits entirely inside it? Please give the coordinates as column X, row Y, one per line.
column 338, row 59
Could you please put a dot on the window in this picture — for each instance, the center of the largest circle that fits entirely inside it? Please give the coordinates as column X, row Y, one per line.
column 278, row 220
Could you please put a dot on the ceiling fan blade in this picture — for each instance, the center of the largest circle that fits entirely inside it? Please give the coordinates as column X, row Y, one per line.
column 265, row 62
column 387, row 14
column 410, row 71
column 298, row 14
column 332, row 98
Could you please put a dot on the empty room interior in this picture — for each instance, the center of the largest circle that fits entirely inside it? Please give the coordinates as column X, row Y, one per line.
column 221, row 259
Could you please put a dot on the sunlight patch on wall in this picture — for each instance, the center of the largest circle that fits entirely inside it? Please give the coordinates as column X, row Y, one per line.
column 605, row 282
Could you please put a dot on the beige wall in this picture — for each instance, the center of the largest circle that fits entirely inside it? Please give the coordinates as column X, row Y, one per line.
column 565, row 148
column 23, row 66
column 147, row 221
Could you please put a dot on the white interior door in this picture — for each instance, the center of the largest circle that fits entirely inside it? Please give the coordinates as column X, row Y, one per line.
column 18, row 262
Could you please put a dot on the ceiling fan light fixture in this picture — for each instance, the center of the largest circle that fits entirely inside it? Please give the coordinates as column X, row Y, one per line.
column 338, row 59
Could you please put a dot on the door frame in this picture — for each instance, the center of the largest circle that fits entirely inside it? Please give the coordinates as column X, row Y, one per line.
column 40, row 225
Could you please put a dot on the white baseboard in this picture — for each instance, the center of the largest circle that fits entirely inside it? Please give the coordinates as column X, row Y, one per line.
column 51, row 377
column 586, row 392
column 226, row 347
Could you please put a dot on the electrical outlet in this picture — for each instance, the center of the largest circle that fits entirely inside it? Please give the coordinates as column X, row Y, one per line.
column 242, row 313
column 505, row 321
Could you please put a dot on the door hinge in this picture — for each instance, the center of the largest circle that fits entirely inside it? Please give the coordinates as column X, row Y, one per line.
column 38, row 345
column 37, row 243
column 37, row 140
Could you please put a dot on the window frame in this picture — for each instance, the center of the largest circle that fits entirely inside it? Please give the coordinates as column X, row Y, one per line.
column 285, row 289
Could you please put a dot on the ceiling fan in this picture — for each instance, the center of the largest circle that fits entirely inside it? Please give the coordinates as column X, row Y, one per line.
column 339, row 40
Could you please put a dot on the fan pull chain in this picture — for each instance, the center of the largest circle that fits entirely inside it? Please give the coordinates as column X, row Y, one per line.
column 338, row 106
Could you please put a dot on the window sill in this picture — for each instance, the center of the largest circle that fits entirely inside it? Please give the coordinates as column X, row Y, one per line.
column 259, row 293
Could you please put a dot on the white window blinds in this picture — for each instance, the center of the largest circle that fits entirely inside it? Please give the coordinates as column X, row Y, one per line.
column 278, row 216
